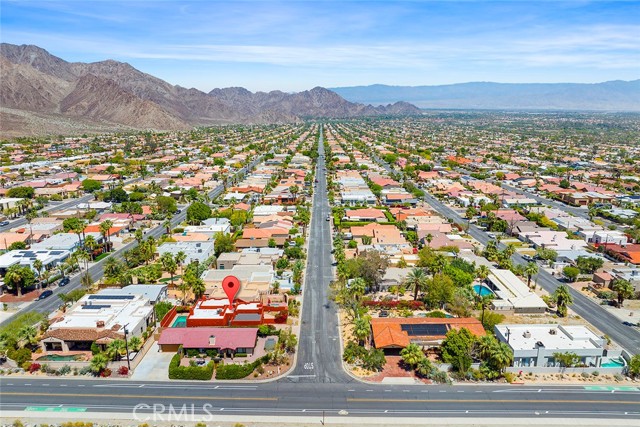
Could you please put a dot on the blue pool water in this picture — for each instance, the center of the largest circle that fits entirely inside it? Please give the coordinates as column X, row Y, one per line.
column 613, row 363
column 482, row 290
column 180, row 322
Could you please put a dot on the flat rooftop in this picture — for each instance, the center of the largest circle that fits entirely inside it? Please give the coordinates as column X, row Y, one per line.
column 553, row 337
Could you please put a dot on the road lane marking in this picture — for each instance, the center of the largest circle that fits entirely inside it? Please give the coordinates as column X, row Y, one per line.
column 137, row 396
column 363, row 399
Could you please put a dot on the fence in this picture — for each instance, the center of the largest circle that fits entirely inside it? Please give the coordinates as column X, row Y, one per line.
column 561, row 370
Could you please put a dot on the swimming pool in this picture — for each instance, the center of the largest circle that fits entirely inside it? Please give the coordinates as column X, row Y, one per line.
column 613, row 363
column 482, row 290
column 60, row 358
column 180, row 322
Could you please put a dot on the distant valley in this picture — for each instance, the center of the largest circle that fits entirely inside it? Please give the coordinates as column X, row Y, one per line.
column 607, row 96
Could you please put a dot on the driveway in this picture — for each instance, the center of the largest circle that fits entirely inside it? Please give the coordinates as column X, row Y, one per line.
column 154, row 366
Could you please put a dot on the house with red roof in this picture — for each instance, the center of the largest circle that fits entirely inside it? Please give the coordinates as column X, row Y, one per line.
column 226, row 341
column 393, row 334
column 369, row 214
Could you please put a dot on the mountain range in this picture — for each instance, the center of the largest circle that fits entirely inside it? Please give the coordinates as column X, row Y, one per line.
column 43, row 94
column 608, row 96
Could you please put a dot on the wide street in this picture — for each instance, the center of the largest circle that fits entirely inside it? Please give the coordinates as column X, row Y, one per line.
column 319, row 355
column 289, row 399
column 318, row 386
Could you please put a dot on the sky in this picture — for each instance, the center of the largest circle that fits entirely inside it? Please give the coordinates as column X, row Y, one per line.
column 297, row 45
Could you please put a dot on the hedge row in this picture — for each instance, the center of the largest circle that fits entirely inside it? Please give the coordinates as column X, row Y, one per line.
column 177, row 372
column 389, row 305
column 236, row 372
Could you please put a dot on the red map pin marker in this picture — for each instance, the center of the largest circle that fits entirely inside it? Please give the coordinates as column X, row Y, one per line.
column 231, row 286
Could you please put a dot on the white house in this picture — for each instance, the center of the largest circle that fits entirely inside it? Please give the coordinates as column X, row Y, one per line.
column 534, row 345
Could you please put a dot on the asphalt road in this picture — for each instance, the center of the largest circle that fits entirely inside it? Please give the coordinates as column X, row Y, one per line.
column 582, row 213
column 311, row 399
column 58, row 206
column 319, row 355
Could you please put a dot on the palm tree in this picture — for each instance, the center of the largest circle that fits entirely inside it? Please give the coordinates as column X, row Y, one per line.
column 485, row 301
column 416, row 280
column 563, row 299
column 149, row 249
column 169, row 264
column 61, row 268
column 112, row 267
column 105, row 226
column 428, row 239
column 530, row 270
column 135, row 343
column 412, row 355
column 485, row 345
column 30, row 216
column 362, row 329
column 90, row 243
column 198, row 287
column 37, row 264
column 180, row 258
column 357, row 288
column 624, row 289
column 28, row 335
column 14, row 278
column 167, row 225
column 482, row 272
column 424, row 367
column 501, row 356
column 115, row 349
column 99, row 362
column 510, row 250
column 139, row 236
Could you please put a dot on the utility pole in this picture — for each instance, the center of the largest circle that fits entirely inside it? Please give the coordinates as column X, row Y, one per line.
column 126, row 346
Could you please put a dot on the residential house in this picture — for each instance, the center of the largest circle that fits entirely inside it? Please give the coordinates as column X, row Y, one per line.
column 534, row 345
column 393, row 334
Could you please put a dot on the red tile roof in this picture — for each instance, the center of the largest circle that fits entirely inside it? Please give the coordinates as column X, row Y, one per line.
column 225, row 338
column 388, row 333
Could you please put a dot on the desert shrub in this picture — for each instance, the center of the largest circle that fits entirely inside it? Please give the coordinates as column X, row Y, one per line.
column 64, row 370
column 85, row 370
column 509, row 376
column 440, row 377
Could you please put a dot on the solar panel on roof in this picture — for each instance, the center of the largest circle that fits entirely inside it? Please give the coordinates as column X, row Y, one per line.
column 56, row 252
column 424, row 329
column 94, row 306
column 103, row 297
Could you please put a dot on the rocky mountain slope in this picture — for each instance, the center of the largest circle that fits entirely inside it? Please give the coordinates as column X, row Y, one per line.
column 41, row 93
